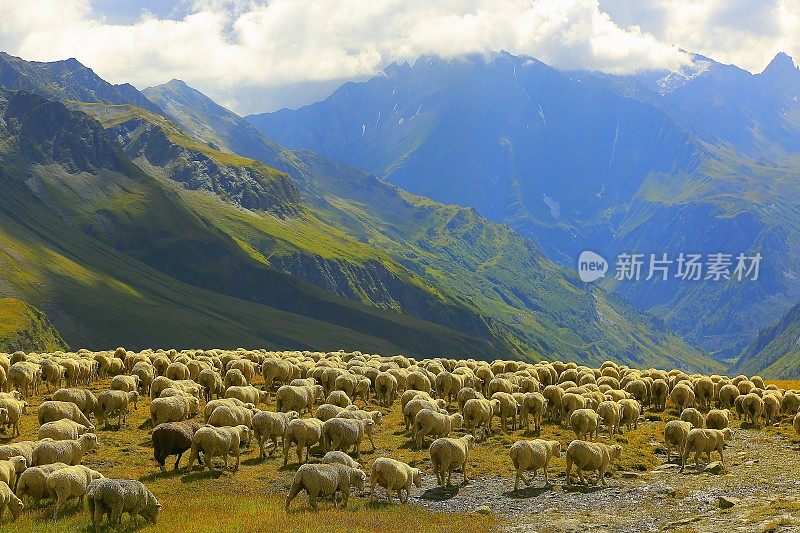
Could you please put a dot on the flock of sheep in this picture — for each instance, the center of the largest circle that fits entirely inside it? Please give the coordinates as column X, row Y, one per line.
column 447, row 405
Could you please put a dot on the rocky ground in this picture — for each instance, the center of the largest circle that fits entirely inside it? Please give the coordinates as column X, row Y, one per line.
column 757, row 490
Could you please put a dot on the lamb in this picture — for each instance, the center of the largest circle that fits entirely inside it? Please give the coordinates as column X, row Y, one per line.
column 63, row 429
column 10, row 469
column 248, row 394
column 610, row 414
column 532, row 455
column 436, row 424
column 753, row 407
column 70, row 452
column 675, row 433
column 448, row 454
column 300, row 399
column 693, row 416
column 508, row 409
column 113, row 497
column 69, row 483
column 125, row 383
column 704, row 441
column 173, row 409
column 584, row 422
column 10, row 500
column 111, row 402
column 630, row 411
column 304, row 433
column 339, row 457
column 222, row 441
column 268, row 425
column 682, row 396
column 338, row 398
column 533, row 404
column 393, row 475
column 211, row 383
column 592, row 456
column 385, row 389
column 53, row 410
column 717, row 419
column 325, row 480
column 341, row 433
column 478, row 414
column 83, row 398
column 173, row 438
column 33, row 481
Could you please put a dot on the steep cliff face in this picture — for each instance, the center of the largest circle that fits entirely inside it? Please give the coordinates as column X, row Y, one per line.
column 23, row 327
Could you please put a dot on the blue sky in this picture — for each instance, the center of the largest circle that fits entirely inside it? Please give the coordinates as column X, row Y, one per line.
column 259, row 55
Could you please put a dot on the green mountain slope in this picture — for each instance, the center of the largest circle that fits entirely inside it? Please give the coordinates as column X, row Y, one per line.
column 776, row 350
column 23, row 327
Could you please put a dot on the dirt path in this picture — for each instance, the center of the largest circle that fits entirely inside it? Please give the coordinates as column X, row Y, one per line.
column 763, row 474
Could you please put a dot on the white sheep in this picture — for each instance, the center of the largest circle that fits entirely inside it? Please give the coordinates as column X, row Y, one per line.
column 269, row 425
column 339, row 457
column 339, row 398
column 63, row 429
column 704, row 441
column 434, row 424
column 23, row 448
column 478, row 414
column 222, row 441
column 796, row 422
column 584, row 422
column 326, row 411
column 534, row 404
column 211, row 383
column 50, row 411
column 69, row 483
column 209, row 407
column 11, row 468
column 630, row 410
column 325, row 480
column 718, row 419
column 304, row 433
column 14, row 410
column 115, row 402
column 682, row 396
column 300, row 399
column 529, row 455
column 675, row 433
column 9, row 499
column 342, row 433
column 125, row 383
column 113, row 497
column 83, row 398
column 393, row 475
column 448, row 454
column 592, row 456
column 508, row 409
column 610, row 414
column 248, row 394
column 173, row 409
column 231, row 415
column 693, row 416
column 375, row 416
column 385, row 389
column 70, row 452
column 418, row 404
column 33, row 481
column 753, row 407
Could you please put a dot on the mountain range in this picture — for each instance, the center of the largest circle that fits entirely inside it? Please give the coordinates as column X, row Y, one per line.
column 703, row 161
column 159, row 218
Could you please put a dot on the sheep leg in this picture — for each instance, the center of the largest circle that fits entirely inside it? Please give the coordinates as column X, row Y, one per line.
column 97, row 517
column 209, row 461
column 312, row 500
column 516, row 480
column 372, row 482
column 293, row 491
column 580, row 475
column 464, row 470
column 238, row 460
column 389, row 494
column 602, row 475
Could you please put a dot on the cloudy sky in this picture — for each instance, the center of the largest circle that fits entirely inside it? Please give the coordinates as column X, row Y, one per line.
column 260, row 55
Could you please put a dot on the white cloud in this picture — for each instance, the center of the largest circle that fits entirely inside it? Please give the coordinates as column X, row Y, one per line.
column 231, row 48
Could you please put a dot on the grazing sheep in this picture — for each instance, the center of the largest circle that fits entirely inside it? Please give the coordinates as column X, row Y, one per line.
column 113, row 497
column 610, row 414
column 231, row 415
column 83, row 398
column 173, row 438
column 553, row 394
column 115, row 402
column 63, row 429
column 772, row 407
column 25, row 376
column 435, row 424
column 248, row 394
column 704, row 392
column 23, row 448
column 50, row 411
column 33, row 481
column 447, row 385
column 234, row 378
column 727, row 396
column 584, row 422
column 213, row 404
column 70, row 452
column 682, row 396
column 10, row 469
column 675, row 433
column 327, row 411
column 375, row 416
column 416, row 380
column 796, row 423
column 173, row 409
column 630, row 410
column 753, row 407
column 659, row 391
column 718, row 419
column 508, row 409
column 125, row 383
column 304, row 433
column 448, row 454
column 529, row 455
column 385, row 389
column 146, row 373
column 534, row 404
column 177, row 371
column 300, row 399
column 14, row 409
column 222, row 441
column 592, row 456
column 693, row 416
column 338, row 398
column 211, row 383
column 339, row 457
column 418, row 404
column 341, row 433
column 325, row 480
column 52, row 373
column 10, row 500
column 269, row 425
column 569, row 403
column 466, row 393
column 791, row 402
column 393, row 475
column 704, row 441
column 478, row 415
column 69, row 483
column 278, row 370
